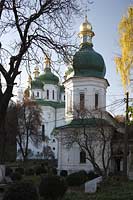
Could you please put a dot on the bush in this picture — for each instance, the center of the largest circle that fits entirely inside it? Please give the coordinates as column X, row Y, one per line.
column 8, row 171
column 29, row 172
column 40, row 170
column 92, row 175
column 63, row 173
column 54, row 171
column 20, row 170
column 16, row 176
column 21, row 191
column 52, row 187
column 77, row 178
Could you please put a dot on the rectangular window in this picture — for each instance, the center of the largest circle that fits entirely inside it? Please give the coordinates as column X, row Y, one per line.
column 43, row 132
column 37, row 94
column 47, row 94
column 53, row 94
column 96, row 101
column 82, row 101
column 82, row 157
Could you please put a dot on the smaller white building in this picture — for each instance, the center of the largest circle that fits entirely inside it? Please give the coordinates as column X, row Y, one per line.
column 49, row 95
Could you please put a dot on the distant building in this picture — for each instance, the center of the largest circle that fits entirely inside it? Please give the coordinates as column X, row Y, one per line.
column 46, row 90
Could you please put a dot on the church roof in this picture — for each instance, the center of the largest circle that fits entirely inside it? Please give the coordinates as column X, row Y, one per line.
column 48, row 77
column 37, row 84
column 51, row 103
column 88, row 123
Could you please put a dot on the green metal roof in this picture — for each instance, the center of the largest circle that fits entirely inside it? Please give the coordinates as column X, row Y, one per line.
column 87, row 62
column 90, row 122
column 48, row 77
column 36, row 84
column 51, row 103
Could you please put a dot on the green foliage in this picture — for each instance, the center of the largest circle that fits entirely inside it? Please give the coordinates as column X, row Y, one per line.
column 20, row 170
column 63, row 173
column 21, row 191
column 29, row 172
column 16, row 176
column 40, row 170
column 52, row 187
column 77, row 178
column 8, row 171
column 92, row 175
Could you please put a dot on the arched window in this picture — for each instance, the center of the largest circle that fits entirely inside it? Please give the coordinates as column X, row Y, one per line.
column 82, row 157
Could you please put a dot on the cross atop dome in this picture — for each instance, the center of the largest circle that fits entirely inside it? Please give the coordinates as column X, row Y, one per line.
column 86, row 32
column 47, row 62
column 36, row 72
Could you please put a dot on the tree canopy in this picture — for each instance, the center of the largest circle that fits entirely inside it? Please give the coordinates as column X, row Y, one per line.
column 124, row 62
column 29, row 28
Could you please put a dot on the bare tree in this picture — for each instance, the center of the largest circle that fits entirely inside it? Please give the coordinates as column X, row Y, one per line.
column 93, row 133
column 30, row 27
column 28, row 116
column 2, row 3
column 48, row 153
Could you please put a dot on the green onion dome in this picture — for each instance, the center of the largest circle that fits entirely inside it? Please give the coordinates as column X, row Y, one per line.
column 48, row 77
column 87, row 62
column 37, row 84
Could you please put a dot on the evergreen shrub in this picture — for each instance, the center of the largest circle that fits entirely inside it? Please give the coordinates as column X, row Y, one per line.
column 29, row 172
column 21, row 191
column 8, row 171
column 77, row 178
column 40, row 170
column 63, row 173
column 92, row 175
column 20, row 170
column 16, row 176
column 52, row 187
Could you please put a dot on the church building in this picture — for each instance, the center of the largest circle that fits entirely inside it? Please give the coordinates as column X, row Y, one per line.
column 74, row 115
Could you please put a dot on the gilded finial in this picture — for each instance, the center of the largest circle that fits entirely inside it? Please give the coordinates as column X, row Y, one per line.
column 47, row 61
column 36, row 72
column 86, row 32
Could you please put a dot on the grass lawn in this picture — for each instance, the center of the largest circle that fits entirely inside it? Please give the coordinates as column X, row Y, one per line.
column 108, row 191
column 112, row 189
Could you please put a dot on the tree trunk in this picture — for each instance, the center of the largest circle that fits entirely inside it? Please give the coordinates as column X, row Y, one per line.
column 2, row 172
column 2, row 138
column 4, row 101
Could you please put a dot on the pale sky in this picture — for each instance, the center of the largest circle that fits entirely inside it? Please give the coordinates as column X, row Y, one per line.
column 105, row 15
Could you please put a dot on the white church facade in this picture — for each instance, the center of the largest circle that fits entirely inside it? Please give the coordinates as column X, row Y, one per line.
column 81, row 97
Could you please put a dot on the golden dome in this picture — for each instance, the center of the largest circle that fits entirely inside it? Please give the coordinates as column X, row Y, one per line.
column 86, row 28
